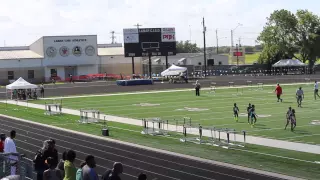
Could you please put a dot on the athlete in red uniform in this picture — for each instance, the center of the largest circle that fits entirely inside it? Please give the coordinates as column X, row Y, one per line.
column 278, row 92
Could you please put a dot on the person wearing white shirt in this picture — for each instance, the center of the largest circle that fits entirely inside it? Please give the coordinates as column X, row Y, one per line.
column 10, row 147
column 316, row 90
column 300, row 96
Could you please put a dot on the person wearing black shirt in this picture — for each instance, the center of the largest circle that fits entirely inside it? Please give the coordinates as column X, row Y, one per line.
column 248, row 110
column 114, row 173
column 197, row 87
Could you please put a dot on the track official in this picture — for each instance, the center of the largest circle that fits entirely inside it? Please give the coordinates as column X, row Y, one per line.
column 197, row 87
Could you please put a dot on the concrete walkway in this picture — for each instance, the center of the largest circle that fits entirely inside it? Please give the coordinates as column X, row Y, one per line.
column 315, row 149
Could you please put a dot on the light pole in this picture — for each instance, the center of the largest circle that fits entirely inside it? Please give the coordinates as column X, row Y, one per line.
column 232, row 31
column 218, row 43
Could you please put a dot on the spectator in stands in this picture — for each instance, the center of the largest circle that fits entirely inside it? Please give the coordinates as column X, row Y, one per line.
column 88, row 171
column 79, row 171
column 52, row 152
column 114, row 173
column 52, row 173
column 61, row 163
column 142, row 177
column 10, row 147
column 70, row 169
column 39, row 162
column 2, row 140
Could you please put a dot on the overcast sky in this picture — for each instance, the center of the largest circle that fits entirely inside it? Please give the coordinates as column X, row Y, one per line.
column 24, row 21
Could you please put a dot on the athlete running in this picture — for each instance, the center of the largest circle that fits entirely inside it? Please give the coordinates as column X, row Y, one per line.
column 300, row 96
column 316, row 90
column 288, row 117
column 248, row 111
column 235, row 112
column 293, row 120
column 253, row 115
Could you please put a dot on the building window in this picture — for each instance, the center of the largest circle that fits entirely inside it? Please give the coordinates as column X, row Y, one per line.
column 53, row 72
column 30, row 74
column 10, row 75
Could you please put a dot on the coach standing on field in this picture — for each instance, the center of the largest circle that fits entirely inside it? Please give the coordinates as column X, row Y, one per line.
column 197, row 87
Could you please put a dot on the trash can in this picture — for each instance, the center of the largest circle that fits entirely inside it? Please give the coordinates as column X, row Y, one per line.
column 105, row 132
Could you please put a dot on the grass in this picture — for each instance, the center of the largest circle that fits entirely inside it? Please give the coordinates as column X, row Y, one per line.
column 216, row 110
column 243, row 156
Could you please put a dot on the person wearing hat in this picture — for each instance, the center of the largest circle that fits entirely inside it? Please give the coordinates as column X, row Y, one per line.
column 114, row 173
column 197, row 87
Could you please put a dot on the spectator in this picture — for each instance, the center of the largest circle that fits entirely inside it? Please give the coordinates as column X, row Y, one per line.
column 69, row 168
column 142, row 177
column 42, row 90
column 10, row 147
column 39, row 161
column 79, row 171
column 88, row 171
column 114, row 173
column 61, row 163
column 2, row 140
column 52, row 173
column 51, row 151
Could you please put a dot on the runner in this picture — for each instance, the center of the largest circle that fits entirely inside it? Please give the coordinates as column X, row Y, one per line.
column 278, row 91
column 293, row 120
column 300, row 96
column 316, row 90
column 248, row 111
column 236, row 112
column 253, row 116
column 288, row 117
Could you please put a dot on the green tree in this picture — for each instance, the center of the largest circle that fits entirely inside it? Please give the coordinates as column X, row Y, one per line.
column 187, row 47
column 286, row 34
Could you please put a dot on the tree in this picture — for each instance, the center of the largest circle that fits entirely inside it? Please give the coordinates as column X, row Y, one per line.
column 187, row 47
column 286, row 35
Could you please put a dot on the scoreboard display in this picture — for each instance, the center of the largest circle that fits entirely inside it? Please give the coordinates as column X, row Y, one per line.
column 153, row 41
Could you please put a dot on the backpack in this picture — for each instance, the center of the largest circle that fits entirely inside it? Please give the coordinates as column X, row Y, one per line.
column 38, row 160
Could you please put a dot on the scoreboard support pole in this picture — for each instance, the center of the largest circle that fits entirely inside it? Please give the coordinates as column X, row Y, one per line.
column 133, row 65
column 150, row 68
column 167, row 65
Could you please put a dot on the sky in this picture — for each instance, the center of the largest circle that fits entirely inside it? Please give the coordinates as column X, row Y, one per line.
column 24, row 21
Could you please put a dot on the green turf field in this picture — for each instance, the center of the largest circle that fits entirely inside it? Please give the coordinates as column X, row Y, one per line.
column 215, row 109
column 282, row 161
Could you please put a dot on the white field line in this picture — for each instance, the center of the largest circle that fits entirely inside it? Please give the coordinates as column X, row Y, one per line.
column 294, row 137
column 179, row 90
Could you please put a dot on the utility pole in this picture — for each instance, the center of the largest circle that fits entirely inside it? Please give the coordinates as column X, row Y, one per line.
column 217, row 41
column 138, row 25
column 112, row 37
column 231, row 38
column 204, row 47
column 239, row 41
column 237, row 47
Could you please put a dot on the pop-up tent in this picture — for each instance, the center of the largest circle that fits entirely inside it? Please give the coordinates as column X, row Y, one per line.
column 21, row 84
column 173, row 71
column 289, row 63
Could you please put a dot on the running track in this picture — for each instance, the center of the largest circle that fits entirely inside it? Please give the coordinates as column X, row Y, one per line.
column 135, row 160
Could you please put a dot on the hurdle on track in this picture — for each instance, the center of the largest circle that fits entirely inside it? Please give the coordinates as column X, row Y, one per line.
column 182, row 122
column 53, row 108
column 249, row 84
column 192, row 138
column 85, row 118
column 259, row 86
column 213, row 87
column 159, row 127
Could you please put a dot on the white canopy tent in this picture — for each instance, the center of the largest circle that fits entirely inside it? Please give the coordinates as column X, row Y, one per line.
column 21, row 84
column 289, row 63
column 173, row 71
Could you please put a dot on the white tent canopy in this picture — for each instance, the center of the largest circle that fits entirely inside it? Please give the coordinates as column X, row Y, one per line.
column 173, row 71
column 289, row 63
column 21, row 84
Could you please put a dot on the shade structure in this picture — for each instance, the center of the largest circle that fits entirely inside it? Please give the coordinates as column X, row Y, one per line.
column 21, row 84
column 173, row 70
column 289, row 63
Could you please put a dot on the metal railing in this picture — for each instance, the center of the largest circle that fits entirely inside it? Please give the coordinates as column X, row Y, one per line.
column 15, row 166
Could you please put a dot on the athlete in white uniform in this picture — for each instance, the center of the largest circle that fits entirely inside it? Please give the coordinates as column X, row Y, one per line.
column 300, row 96
column 316, row 90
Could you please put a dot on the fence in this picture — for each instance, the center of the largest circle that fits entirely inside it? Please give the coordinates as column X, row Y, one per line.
column 15, row 166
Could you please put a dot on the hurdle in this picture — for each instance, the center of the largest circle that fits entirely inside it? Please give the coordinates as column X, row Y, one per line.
column 213, row 87
column 249, row 84
column 307, row 80
column 49, row 108
column 231, row 84
column 230, row 138
column 159, row 127
column 85, row 119
column 193, row 139
column 259, row 86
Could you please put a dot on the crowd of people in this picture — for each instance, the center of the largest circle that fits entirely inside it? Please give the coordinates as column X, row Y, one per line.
column 47, row 165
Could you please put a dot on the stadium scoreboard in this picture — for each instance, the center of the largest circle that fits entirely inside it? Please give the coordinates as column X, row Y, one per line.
column 149, row 41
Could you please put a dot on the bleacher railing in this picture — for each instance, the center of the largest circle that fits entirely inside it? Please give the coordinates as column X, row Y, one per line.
column 15, row 166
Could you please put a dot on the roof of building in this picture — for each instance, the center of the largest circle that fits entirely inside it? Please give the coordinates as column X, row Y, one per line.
column 19, row 54
column 112, row 51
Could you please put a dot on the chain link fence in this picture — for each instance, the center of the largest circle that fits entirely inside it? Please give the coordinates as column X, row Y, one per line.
column 14, row 166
